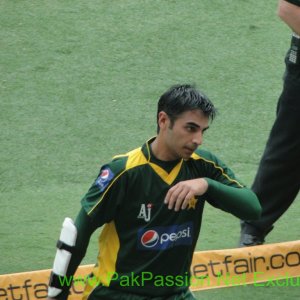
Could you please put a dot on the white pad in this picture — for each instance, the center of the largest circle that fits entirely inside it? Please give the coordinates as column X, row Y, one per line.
column 62, row 258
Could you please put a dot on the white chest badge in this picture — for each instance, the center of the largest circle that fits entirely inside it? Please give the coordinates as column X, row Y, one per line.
column 145, row 212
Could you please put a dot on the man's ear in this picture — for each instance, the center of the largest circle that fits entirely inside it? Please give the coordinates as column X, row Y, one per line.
column 163, row 120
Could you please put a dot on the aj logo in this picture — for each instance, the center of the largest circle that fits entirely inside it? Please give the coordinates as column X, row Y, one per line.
column 145, row 212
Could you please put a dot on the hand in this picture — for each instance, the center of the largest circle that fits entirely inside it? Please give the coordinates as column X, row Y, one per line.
column 181, row 193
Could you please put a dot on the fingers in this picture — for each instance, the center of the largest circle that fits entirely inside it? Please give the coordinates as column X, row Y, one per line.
column 187, row 199
column 178, row 197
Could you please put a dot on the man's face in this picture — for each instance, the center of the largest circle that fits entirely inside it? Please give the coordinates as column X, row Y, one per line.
column 186, row 134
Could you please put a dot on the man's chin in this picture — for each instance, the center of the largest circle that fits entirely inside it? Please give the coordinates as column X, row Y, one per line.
column 187, row 156
column 187, row 153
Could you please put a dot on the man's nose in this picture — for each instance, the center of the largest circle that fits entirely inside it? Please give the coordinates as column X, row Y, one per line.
column 197, row 139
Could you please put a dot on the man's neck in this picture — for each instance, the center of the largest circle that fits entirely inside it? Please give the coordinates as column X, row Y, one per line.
column 159, row 152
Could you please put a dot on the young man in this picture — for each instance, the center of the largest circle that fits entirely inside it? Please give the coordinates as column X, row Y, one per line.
column 277, row 181
column 150, row 202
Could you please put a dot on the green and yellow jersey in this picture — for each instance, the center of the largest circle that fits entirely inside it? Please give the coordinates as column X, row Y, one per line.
column 145, row 248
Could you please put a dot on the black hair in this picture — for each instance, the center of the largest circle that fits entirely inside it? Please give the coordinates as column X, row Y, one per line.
column 184, row 97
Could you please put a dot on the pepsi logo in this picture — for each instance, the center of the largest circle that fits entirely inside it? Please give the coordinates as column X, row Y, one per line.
column 165, row 237
column 104, row 174
column 150, row 238
column 104, row 179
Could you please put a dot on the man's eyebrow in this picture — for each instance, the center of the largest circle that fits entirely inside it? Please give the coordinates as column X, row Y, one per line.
column 196, row 125
column 193, row 124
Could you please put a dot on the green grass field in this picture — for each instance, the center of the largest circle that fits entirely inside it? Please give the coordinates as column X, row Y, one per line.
column 79, row 84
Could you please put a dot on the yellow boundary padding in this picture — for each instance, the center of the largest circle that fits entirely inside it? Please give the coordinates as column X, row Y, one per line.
column 266, row 265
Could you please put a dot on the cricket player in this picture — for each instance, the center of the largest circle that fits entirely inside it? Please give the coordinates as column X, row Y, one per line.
column 149, row 203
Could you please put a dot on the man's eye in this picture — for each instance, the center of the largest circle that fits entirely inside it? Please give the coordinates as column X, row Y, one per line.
column 190, row 128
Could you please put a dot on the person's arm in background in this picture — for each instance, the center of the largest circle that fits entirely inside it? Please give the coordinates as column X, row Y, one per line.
column 290, row 14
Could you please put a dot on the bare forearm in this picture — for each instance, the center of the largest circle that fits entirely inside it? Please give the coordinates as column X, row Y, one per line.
column 290, row 14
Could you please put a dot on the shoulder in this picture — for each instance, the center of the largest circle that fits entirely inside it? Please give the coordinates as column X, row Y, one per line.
column 123, row 162
column 205, row 156
column 211, row 162
column 215, row 167
column 114, row 169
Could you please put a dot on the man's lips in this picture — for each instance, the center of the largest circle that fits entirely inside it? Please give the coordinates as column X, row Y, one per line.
column 190, row 149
